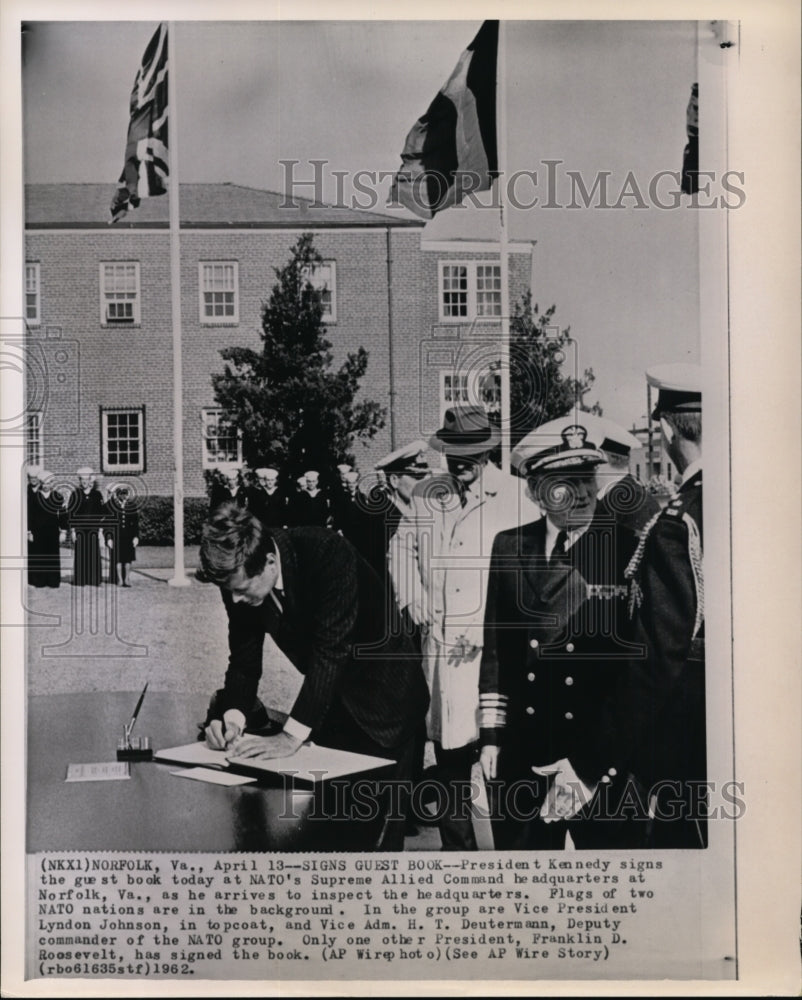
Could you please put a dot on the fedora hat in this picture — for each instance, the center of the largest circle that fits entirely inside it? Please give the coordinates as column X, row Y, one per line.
column 466, row 430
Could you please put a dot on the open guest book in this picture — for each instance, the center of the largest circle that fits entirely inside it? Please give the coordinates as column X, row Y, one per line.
column 309, row 765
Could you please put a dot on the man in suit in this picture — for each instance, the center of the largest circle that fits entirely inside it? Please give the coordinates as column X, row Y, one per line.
column 439, row 564
column 553, row 653
column 86, row 519
column 307, row 587
column 661, row 726
column 266, row 499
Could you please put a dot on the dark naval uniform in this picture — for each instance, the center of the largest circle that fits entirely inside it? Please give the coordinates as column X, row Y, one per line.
column 221, row 494
column 553, row 652
column 270, row 508
column 629, row 503
column 87, row 518
column 662, row 720
column 46, row 520
column 122, row 527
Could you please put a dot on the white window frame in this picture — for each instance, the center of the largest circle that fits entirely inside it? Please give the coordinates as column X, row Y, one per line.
column 205, row 319
column 207, row 461
column 107, row 466
column 472, row 304
column 105, row 301
column 33, row 273
column 34, row 443
column 468, row 391
column 311, row 273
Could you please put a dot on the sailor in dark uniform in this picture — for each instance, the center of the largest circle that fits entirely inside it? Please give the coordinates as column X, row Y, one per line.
column 662, row 711
column 230, row 490
column 553, row 653
column 122, row 533
column 86, row 517
column 267, row 500
column 46, row 530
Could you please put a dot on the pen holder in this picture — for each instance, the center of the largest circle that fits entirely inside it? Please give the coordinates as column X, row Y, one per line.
column 135, row 748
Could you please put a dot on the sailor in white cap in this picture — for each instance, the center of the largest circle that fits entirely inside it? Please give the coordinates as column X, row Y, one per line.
column 663, row 721
column 266, row 499
column 552, row 653
column 86, row 519
column 229, row 488
column 440, row 561
column 310, row 505
column 45, row 532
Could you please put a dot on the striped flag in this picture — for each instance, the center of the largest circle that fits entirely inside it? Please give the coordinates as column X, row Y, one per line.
column 451, row 151
column 146, row 164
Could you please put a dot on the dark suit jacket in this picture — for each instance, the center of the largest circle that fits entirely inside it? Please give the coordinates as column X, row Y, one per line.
column 554, row 646
column 339, row 628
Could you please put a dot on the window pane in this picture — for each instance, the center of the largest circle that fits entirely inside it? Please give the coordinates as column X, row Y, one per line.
column 123, row 439
column 120, row 292
column 455, row 290
column 488, row 290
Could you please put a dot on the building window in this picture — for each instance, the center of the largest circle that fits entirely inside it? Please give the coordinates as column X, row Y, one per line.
column 469, row 291
column 471, row 389
column 122, row 433
column 488, row 290
column 323, row 278
column 119, row 293
column 221, row 440
column 33, row 438
column 32, row 294
column 219, row 292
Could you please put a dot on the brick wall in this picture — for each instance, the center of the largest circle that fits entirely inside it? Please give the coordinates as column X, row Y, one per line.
column 78, row 365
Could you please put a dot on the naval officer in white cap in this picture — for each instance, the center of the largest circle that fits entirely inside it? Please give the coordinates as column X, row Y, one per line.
column 552, row 654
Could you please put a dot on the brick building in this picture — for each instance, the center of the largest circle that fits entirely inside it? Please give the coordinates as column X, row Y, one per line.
column 98, row 314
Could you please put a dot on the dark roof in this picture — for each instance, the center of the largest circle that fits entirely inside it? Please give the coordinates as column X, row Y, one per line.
column 86, row 206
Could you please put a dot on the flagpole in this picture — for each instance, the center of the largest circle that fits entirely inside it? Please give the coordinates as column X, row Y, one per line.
column 179, row 577
column 501, row 118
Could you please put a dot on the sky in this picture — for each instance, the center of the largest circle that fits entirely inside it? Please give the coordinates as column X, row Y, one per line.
column 594, row 96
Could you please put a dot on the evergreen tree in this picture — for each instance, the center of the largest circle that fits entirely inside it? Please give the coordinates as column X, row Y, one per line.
column 540, row 389
column 292, row 408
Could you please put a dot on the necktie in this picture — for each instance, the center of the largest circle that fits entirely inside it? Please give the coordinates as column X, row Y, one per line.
column 465, row 495
column 558, row 553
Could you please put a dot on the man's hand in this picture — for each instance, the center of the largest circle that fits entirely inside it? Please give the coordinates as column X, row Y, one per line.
column 221, row 734
column 30, row 536
column 265, row 747
column 567, row 795
column 488, row 759
column 136, row 543
column 419, row 611
column 462, row 651
column 110, row 543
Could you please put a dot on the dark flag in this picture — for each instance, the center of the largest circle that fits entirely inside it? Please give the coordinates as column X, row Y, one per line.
column 690, row 159
column 146, row 164
column 451, row 151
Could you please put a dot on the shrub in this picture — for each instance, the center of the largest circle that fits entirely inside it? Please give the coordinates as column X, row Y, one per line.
column 156, row 520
